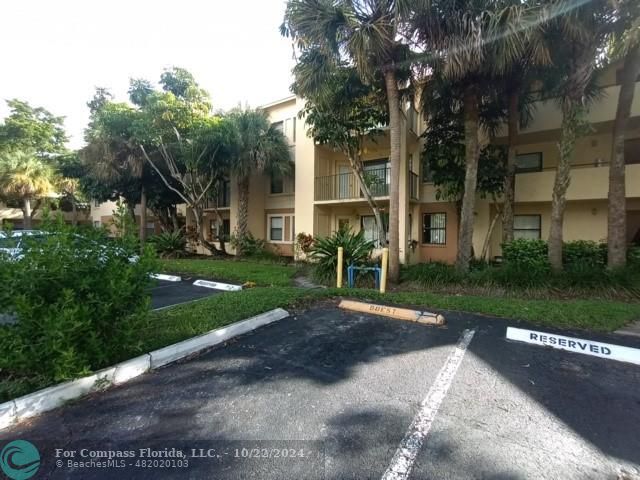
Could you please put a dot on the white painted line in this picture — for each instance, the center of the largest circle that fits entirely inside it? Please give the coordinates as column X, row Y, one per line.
column 217, row 285
column 168, row 278
column 577, row 345
column 405, row 456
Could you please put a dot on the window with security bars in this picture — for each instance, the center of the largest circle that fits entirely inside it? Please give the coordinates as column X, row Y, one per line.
column 434, row 228
column 528, row 227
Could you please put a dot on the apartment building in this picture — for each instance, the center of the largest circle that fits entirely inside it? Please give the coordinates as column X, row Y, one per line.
column 322, row 194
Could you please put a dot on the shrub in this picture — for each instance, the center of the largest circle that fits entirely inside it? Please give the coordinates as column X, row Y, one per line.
column 80, row 302
column 432, row 274
column 357, row 251
column 526, row 253
column 169, row 244
column 584, row 252
column 253, row 247
column 633, row 257
column 304, row 242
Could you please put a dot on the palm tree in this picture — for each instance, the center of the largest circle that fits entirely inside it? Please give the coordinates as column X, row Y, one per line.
column 578, row 35
column 366, row 35
column 112, row 155
column 472, row 44
column 626, row 44
column 516, row 71
column 260, row 147
column 24, row 177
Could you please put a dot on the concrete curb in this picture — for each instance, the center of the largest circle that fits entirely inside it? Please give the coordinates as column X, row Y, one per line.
column 33, row 404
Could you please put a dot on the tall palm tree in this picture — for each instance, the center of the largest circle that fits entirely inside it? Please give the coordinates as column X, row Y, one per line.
column 25, row 177
column 625, row 45
column 260, row 147
column 516, row 71
column 579, row 33
column 366, row 35
column 112, row 155
column 471, row 44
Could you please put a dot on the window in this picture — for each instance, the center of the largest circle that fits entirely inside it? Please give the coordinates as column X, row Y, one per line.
column 368, row 225
column 427, row 173
column 632, row 151
column 277, row 184
column 224, row 195
column 281, row 228
column 378, row 177
column 221, row 229
column 343, row 223
column 527, row 227
column 276, row 229
column 434, row 228
column 96, row 223
column 290, row 129
column 96, row 203
column 151, row 228
column 279, row 126
column 529, row 162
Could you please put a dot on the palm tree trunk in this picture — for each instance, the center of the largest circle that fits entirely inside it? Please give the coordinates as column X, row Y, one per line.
column 393, row 99
column 26, row 213
column 143, row 215
column 74, row 212
column 617, row 215
column 472, row 154
column 243, row 211
column 510, row 177
column 571, row 119
column 492, row 226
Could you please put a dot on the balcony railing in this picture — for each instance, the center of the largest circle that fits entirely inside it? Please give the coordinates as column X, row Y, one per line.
column 414, row 186
column 221, row 200
column 345, row 186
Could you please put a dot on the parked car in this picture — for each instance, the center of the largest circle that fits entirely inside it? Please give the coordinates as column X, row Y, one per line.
column 13, row 244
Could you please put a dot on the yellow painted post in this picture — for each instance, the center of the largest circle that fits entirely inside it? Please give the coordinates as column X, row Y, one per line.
column 383, row 274
column 340, row 257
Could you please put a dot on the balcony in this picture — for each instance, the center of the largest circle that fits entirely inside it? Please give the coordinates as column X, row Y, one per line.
column 588, row 182
column 222, row 199
column 345, row 187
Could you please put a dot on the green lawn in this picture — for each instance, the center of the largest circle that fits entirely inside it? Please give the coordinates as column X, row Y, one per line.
column 238, row 271
column 184, row 321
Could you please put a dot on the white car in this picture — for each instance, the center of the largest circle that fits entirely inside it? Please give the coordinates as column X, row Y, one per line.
column 12, row 245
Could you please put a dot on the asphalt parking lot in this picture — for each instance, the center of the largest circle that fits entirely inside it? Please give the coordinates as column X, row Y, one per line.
column 346, row 390
column 167, row 294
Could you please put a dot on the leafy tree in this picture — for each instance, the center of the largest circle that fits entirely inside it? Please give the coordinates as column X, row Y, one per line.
column 196, row 164
column 32, row 129
column 343, row 115
column 625, row 45
column 139, row 91
column 444, row 149
column 367, row 36
column 25, row 177
column 112, row 155
column 259, row 147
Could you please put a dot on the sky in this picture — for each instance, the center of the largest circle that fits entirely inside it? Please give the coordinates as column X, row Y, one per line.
column 55, row 52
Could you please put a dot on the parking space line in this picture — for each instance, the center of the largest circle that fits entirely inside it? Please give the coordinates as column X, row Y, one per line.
column 405, row 456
